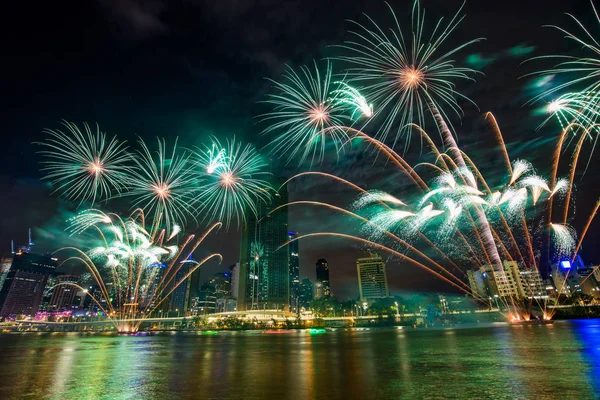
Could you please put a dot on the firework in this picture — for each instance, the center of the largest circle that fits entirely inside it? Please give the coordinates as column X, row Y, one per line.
column 303, row 107
column 451, row 216
column 565, row 239
column 233, row 186
column 162, row 183
column 356, row 102
column 580, row 110
column 132, row 266
column 84, row 165
column 585, row 70
column 407, row 78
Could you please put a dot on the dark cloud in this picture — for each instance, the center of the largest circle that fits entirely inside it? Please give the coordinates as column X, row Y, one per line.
column 135, row 19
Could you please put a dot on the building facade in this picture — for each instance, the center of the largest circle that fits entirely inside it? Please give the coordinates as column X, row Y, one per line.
column 305, row 293
column 179, row 302
column 372, row 279
column 294, row 257
column 63, row 293
column 322, row 286
column 24, row 284
column 264, row 275
column 533, row 284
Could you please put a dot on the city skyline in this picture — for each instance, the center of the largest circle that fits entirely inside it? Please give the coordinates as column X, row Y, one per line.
column 300, row 199
column 499, row 53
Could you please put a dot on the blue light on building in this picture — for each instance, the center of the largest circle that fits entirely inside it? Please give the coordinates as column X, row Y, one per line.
column 566, row 264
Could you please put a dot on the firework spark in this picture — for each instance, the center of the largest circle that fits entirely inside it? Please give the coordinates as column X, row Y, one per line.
column 83, row 164
column 565, row 239
column 405, row 79
column 351, row 97
column 161, row 183
column 303, row 107
column 134, row 271
column 233, row 188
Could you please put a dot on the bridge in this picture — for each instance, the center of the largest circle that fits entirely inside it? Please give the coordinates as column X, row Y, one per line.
column 164, row 322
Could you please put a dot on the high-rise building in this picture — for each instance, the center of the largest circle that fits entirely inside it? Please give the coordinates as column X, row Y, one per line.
column 509, row 281
column 533, row 284
column 372, row 279
column 221, row 281
column 318, row 290
column 264, row 279
column 589, row 280
column 480, row 284
column 305, row 293
column 565, row 278
column 63, row 293
column 206, row 300
column 180, row 297
column 294, row 270
column 505, row 281
column 234, row 270
column 5, row 267
column 25, row 283
column 322, row 288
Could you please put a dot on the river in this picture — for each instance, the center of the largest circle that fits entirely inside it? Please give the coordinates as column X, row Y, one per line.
column 495, row 362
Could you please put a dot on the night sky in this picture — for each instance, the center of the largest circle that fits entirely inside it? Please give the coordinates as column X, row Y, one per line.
column 194, row 68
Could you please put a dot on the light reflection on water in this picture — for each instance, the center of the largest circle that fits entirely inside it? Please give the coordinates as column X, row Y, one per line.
column 501, row 362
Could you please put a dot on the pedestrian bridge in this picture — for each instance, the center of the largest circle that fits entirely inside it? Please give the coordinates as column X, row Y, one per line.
column 259, row 315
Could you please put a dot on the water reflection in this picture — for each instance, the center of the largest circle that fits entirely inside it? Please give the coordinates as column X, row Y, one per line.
column 587, row 333
column 541, row 362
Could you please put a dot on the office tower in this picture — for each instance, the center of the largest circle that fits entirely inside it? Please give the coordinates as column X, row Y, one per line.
column 505, row 281
column 25, row 283
column 206, row 300
column 480, row 284
column 533, row 284
column 83, row 298
column 589, row 280
column 180, row 297
column 63, row 293
column 372, row 280
column 322, row 288
column 294, row 270
column 221, row 281
column 235, row 279
column 565, row 278
column 50, row 283
column 264, row 278
column 5, row 267
column 194, row 286
column 305, row 293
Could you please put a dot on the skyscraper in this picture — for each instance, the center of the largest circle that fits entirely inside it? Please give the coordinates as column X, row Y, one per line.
column 234, row 270
column 24, row 283
column 5, row 267
column 305, row 293
column 322, row 288
column 180, row 297
column 372, row 280
column 294, row 270
column 63, row 293
column 264, row 280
